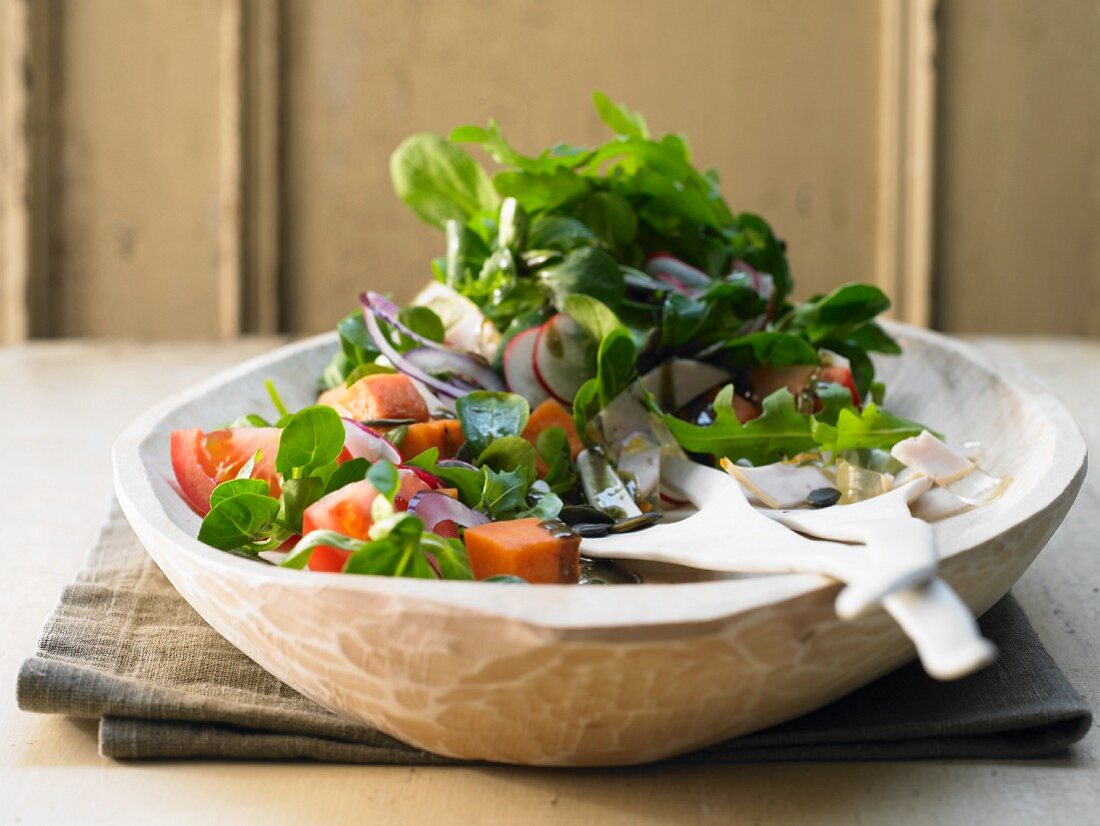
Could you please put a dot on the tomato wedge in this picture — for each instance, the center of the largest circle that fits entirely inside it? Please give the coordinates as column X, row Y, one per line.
column 347, row 511
column 202, row 461
column 843, row 376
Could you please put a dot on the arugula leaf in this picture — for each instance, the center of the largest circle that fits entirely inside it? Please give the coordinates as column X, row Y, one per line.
column 311, row 439
column 779, row 431
column 621, row 120
column 494, row 144
column 873, row 427
column 552, row 446
column 544, row 503
column 834, row 398
column 239, row 515
column 510, row 453
column 486, row 416
column 440, row 181
column 542, row 191
column 503, row 493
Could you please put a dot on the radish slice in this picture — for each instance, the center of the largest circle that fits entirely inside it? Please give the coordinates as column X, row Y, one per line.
column 363, row 443
column 562, row 357
column 519, row 369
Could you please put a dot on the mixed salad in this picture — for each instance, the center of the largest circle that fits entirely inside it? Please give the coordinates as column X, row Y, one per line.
column 594, row 310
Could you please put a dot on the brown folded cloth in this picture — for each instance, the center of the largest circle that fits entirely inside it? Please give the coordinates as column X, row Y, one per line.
column 124, row 648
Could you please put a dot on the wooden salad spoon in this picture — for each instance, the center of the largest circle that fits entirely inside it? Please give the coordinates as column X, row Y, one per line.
column 883, row 554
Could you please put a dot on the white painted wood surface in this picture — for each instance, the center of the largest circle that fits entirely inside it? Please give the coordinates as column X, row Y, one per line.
column 49, row 770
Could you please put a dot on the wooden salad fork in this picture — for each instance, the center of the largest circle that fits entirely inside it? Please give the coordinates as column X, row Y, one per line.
column 882, row 554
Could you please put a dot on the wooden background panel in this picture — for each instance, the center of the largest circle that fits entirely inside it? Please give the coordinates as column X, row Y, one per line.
column 135, row 199
column 1018, row 205
column 782, row 97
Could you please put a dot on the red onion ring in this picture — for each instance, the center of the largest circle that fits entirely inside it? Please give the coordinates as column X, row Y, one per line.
column 459, row 362
column 461, row 365
column 433, row 508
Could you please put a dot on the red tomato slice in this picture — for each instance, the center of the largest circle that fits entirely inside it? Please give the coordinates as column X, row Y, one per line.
column 347, row 511
column 744, row 410
column 202, row 461
column 842, row 376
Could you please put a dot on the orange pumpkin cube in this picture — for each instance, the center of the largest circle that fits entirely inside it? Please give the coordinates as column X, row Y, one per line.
column 444, row 434
column 378, row 396
column 539, row 552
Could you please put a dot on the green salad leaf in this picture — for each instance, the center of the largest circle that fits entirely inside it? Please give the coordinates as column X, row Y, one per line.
column 872, row 427
column 440, row 181
column 240, row 512
column 311, row 440
column 486, row 416
column 779, row 431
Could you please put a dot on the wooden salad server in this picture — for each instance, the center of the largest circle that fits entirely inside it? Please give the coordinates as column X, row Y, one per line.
column 877, row 548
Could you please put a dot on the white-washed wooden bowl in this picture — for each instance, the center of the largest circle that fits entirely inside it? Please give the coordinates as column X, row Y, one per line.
column 565, row 675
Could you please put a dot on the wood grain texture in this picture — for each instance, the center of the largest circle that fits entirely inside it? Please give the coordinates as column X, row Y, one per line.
column 906, row 149
column 50, row 772
column 136, row 175
column 1018, row 204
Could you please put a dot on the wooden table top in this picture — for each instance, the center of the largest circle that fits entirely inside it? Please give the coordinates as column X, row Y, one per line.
column 64, row 402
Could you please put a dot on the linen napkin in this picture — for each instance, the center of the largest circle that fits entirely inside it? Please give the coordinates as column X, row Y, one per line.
column 124, row 648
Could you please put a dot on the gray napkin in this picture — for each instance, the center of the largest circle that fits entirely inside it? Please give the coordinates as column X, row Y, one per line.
column 124, row 648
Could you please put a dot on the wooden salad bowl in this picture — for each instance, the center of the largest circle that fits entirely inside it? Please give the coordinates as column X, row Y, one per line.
column 591, row 676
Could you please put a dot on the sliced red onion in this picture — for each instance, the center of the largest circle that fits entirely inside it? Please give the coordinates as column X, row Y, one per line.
column 464, row 366
column 391, row 314
column 398, row 361
column 363, row 442
column 676, row 273
column 451, row 390
column 432, row 508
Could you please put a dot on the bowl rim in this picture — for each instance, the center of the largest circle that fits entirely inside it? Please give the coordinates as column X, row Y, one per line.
column 563, row 608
